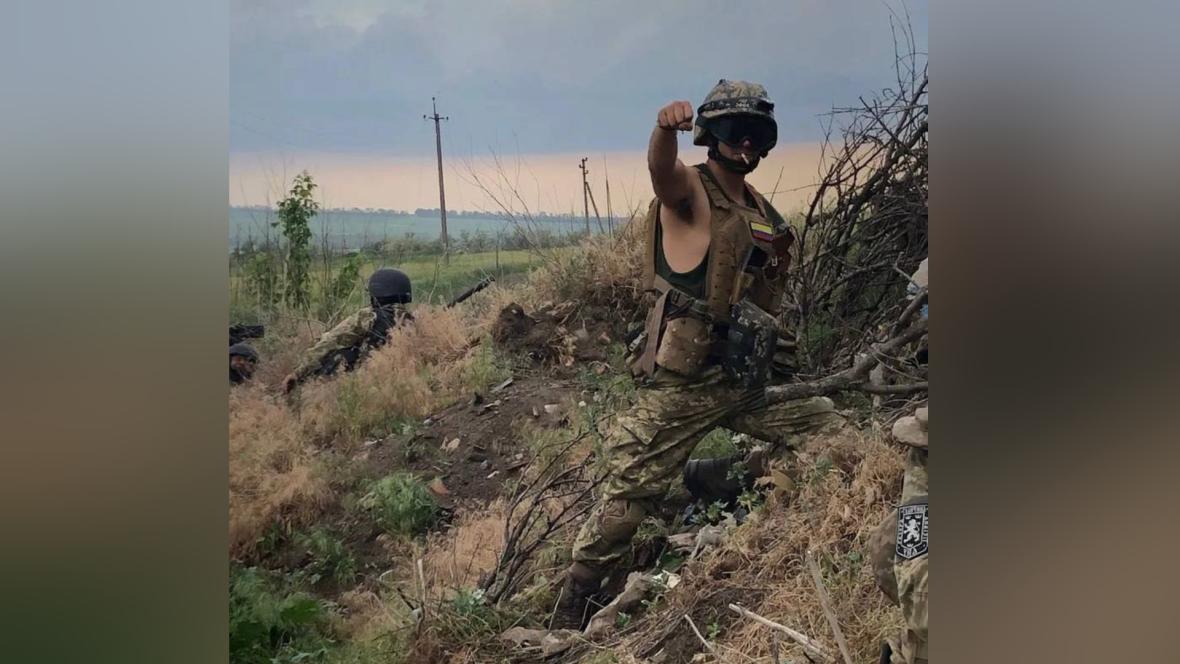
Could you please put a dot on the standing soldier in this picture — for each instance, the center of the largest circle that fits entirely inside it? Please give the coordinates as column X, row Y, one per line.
column 900, row 545
column 349, row 342
column 717, row 255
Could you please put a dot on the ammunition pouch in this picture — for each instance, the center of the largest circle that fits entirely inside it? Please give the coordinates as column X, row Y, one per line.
column 678, row 336
column 750, row 342
column 681, row 336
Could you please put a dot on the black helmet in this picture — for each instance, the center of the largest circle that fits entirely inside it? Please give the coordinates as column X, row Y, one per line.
column 390, row 286
column 243, row 350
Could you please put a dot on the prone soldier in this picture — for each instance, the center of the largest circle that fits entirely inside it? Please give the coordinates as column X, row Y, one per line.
column 242, row 361
column 346, row 345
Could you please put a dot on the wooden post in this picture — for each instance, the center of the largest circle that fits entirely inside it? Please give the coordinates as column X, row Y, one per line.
column 585, row 195
column 610, row 216
column 442, row 196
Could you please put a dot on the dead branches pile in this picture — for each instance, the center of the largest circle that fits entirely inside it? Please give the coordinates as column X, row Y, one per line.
column 866, row 226
column 559, row 495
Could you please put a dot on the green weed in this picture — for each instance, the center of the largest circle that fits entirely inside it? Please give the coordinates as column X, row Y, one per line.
column 270, row 623
column 329, row 556
column 718, row 443
column 400, row 504
column 468, row 617
column 486, row 369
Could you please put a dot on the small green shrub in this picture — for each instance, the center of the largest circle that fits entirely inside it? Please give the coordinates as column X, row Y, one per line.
column 718, row 443
column 329, row 556
column 400, row 504
column 486, row 369
column 468, row 617
column 270, row 623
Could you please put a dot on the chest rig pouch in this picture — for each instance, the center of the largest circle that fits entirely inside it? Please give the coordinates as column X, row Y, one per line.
column 749, row 346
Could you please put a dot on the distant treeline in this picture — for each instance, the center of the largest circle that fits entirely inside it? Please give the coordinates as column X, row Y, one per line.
column 411, row 244
column 471, row 214
column 431, row 213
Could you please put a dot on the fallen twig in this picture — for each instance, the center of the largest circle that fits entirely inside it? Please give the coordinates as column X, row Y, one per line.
column 802, row 639
column 826, row 604
column 422, row 588
column 696, row 631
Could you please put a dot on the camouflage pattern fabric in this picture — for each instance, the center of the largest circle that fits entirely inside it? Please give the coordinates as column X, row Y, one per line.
column 727, row 98
column 350, row 332
column 648, row 446
column 906, row 580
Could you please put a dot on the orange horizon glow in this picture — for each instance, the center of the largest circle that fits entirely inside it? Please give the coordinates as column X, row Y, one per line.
column 549, row 183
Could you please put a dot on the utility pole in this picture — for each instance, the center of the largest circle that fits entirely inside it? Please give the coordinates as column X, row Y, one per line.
column 442, row 196
column 585, row 196
column 610, row 217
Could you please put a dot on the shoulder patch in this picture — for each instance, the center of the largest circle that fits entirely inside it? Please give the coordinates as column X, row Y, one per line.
column 913, row 531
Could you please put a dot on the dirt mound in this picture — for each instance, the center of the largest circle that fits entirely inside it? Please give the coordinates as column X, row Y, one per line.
column 557, row 334
column 473, row 446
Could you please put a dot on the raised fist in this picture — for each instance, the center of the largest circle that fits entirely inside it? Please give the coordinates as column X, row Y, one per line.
column 676, row 115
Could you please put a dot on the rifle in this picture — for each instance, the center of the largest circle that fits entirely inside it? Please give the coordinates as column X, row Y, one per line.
column 483, row 283
column 239, row 332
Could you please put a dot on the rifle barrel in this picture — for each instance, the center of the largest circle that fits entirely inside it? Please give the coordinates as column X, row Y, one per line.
column 483, row 283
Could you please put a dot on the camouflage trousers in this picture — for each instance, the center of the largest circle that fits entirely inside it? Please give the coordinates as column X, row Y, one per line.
column 905, row 581
column 648, row 446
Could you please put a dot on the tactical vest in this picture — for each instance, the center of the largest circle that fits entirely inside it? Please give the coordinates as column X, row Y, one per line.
column 748, row 256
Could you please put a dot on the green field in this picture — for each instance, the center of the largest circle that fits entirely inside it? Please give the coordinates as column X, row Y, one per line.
column 434, row 281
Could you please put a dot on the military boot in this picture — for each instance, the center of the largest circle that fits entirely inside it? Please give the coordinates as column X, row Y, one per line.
column 581, row 582
column 710, row 480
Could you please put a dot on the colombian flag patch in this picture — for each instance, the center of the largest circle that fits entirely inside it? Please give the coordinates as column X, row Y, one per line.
column 761, row 231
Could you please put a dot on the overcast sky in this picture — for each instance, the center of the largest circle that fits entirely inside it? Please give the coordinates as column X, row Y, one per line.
column 533, row 77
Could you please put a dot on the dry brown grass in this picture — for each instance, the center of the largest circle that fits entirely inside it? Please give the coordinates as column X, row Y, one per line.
column 602, row 271
column 458, row 556
column 763, row 565
column 424, row 366
column 278, row 452
column 273, row 474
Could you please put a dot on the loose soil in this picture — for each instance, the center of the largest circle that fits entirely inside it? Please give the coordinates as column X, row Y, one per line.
column 488, row 451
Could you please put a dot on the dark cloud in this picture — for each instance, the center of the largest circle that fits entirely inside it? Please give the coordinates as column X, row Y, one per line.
column 537, row 76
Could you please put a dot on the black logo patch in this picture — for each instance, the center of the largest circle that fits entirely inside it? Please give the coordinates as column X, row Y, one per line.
column 913, row 531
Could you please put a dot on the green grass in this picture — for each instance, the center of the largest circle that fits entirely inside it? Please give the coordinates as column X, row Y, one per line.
column 468, row 618
column 400, row 504
column 487, row 368
column 272, row 622
column 329, row 556
column 433, row 281
column 718, row 443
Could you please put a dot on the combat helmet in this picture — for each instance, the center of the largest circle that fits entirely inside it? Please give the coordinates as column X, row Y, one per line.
column 390, row 286
column 729, row 98
column 243, row 350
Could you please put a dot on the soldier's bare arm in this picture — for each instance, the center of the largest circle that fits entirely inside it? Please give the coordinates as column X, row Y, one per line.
column 670, row 178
